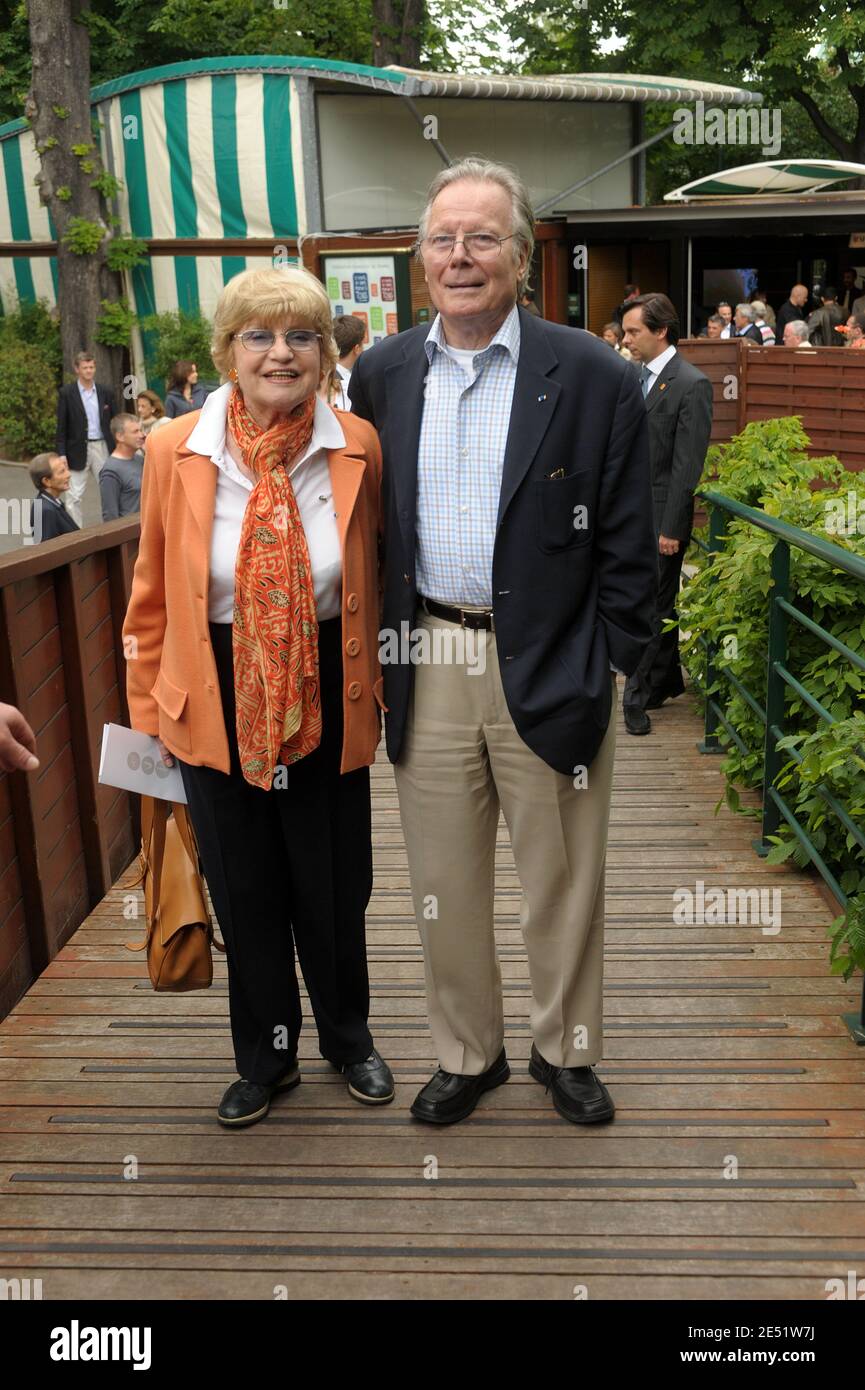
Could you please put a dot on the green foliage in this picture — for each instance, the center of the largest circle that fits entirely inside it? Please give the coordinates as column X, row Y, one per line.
column 35, row 325
column 61, row 112
column 28, row 400
column 175, row 337
column 81, row 149
column 114, row 323
column 124, row 252
column 727, row 604
column 82, row 236
column 106, row 184
column 847, row 933
column 64, row 193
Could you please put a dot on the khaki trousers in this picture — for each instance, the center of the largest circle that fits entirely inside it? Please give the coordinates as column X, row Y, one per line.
column 463, row 761
column 97, row 453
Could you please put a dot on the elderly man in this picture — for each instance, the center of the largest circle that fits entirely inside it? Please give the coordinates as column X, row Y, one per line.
column 517, row 510
column 795, row 334
column 744, row 325
column 854, row 331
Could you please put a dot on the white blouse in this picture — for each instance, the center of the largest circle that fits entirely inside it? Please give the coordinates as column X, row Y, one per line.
column 310, row 478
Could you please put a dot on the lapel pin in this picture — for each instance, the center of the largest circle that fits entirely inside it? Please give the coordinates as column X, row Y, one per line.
column 662, row 385
column 542, row 398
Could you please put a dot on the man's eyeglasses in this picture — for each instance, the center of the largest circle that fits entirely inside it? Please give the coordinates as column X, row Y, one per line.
column 481, row 245
column 262, row 339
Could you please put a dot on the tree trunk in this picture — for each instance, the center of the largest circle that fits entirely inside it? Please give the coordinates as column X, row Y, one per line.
column 397, row 31
column 60, row 45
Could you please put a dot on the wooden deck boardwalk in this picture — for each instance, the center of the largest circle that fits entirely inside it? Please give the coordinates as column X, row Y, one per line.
column 725, row 1054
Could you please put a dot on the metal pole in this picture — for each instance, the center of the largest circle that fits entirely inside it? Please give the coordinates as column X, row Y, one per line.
column 711, row 743
column 436, row 143
column 629, row 154
column 774, row 691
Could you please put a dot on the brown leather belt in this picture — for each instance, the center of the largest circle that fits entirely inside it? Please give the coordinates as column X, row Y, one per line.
column 481, row 621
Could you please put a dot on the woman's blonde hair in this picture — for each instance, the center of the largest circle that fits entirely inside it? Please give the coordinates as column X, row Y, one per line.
column 266, row 297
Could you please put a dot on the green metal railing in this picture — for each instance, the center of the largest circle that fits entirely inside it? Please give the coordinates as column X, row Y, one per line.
column 779, row 678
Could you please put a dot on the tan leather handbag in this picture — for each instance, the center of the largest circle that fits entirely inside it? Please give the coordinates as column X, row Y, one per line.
column 179, row 930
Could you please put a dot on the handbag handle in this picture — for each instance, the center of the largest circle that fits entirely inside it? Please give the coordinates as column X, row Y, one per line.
column 154, row 822
column 154, row 818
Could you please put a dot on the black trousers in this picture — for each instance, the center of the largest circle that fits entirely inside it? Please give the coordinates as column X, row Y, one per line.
column 659, row 674
column 289, row 869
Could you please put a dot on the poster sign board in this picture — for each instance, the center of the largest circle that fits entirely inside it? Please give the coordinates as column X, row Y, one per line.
column 372, row 285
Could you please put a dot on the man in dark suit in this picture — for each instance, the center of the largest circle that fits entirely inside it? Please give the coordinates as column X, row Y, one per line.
column 520, row 556
column 679, row 409
column 84, row 438
column 744, row 324
column 49, row 518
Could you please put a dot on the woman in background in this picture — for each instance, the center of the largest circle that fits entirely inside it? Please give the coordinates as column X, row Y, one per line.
column 184, row 392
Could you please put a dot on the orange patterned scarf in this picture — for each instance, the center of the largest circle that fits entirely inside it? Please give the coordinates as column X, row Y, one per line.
column 275, row 632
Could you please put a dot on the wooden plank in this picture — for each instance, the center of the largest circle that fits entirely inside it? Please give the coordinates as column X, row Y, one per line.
column 78, row 660
column 720, row 1041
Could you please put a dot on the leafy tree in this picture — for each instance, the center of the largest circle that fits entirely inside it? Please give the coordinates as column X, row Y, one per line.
column 804, row 58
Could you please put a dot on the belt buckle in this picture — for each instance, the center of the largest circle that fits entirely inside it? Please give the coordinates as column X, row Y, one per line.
column 479, row 628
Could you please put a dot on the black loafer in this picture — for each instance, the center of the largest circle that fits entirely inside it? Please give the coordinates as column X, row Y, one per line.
column 370, row 1081
column 637, row 721
column 578, row 1095
column 247, row 1101
column 448, row 1097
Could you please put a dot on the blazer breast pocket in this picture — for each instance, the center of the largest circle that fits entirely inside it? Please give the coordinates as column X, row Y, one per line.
column 565, row 511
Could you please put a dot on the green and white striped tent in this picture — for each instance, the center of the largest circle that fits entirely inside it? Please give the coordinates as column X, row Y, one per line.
column 248, row 155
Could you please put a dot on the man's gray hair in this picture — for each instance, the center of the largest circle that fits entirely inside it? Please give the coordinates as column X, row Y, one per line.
column 522, row 217
column 800, row 328
column 747, row 311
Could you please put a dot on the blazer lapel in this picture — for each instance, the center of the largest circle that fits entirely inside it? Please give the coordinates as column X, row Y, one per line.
column 346, row 475
column 534, row 401
column 198, row 477
column 404, row 386
column 665, row 377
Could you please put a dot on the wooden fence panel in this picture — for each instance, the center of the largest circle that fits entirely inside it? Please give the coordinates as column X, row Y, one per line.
column 64, row 839
column 825, row 386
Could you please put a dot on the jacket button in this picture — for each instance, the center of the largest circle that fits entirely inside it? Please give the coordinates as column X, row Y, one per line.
column 351, row 603
column 354, row 690
column 352, row 646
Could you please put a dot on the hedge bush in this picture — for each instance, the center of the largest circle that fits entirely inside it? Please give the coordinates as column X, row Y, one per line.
column 28, row 400
column 34, row 325
column 726, row 603
column 177, row 337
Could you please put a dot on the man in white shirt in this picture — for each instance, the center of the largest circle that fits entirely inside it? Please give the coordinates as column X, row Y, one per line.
column 350, row 333
column 85, row 409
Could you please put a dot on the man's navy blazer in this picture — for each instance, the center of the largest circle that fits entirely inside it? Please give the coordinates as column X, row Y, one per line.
column 573, row 589
column 72, row 422
column 49, row 518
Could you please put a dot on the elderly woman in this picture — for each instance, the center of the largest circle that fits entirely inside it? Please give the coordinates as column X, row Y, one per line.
column 253, row 622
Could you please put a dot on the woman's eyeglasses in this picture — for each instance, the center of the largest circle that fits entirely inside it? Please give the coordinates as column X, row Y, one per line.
column 262, row 339
column 478, row 244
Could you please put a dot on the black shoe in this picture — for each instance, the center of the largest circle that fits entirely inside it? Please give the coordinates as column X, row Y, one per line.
column 578, row 1095
column 448, row 1097
column 370, row 1081
column 637, row 721
column 247, row 1101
